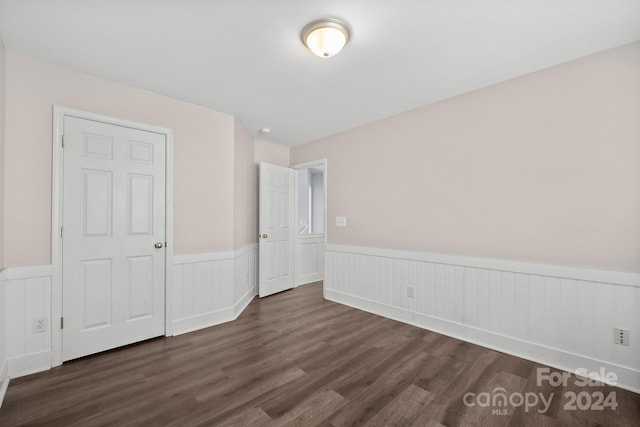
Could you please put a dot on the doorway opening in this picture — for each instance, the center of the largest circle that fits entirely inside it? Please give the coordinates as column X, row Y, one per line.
column 311, row 206
column 292, row 225
column 311, row 217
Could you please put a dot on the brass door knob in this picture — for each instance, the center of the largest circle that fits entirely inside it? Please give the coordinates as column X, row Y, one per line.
column 158, row 245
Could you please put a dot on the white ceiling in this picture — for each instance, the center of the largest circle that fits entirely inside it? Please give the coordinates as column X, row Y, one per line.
column 244, row 57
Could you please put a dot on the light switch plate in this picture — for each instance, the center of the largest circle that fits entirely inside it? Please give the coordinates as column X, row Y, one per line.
column 341, row 221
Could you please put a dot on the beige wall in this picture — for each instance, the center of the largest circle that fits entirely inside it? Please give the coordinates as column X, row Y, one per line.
column 543, row 168
column 271, row 153
column 203, row 156
column 2, row 168
column 3, row 53
column 244, row 188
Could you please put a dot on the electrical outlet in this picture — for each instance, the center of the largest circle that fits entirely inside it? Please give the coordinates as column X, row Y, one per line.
column 621, row 336
column 40, row 324
column 411, row 292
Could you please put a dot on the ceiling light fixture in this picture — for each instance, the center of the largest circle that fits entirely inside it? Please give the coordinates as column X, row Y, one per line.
column 326, row 37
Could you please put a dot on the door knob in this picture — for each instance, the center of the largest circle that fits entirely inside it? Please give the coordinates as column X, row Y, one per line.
column 158, row 245
column 264, row 236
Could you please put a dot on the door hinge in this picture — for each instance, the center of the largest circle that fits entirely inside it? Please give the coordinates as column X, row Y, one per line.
column 62, row 323
column 62, row 141
column 61, row 232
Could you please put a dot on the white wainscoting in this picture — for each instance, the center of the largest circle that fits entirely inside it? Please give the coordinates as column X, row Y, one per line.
column 309, row 259
column 4, row 368
column 245, row 278
column 562, row 317
column 4, row 382
column 27, row 295
column 209, row 289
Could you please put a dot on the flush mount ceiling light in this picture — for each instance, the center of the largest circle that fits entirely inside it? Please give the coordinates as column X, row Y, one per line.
column 325, row 37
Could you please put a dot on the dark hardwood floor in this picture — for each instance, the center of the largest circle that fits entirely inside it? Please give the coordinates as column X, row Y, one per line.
column 296, row 359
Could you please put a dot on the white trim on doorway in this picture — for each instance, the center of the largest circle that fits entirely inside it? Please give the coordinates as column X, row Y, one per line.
column 59, row 113
column 314, row 239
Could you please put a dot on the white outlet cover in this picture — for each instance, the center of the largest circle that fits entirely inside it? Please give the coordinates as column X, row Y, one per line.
column 341, row 221
column 621, row 336
column 40, row 324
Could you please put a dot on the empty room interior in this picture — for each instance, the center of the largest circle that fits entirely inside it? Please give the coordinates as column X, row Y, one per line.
column 330, row 213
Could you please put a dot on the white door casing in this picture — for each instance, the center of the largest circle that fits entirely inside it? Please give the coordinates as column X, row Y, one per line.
column 310, row 248
column 113, row 213
column 277, row 229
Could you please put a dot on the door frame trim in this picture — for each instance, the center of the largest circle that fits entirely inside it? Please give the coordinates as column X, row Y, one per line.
column 59, row 113
column 305, row 165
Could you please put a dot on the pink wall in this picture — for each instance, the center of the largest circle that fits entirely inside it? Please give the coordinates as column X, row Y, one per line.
column 2, row 130
column 203, row 156
column 543, row 168
column 271, row 153
column 244, row 188
column 3, row 61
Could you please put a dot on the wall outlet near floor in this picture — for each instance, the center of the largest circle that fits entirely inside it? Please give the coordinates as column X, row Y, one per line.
column 411, row 292
column 40, row 324
column 621, row 336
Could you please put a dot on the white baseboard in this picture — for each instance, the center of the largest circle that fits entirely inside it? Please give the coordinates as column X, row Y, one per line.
column 213, row 318
column 243, row 303
column 29, row 363
column 202, row 321
column 308, row 282
column 4, row 381
column 628, row 379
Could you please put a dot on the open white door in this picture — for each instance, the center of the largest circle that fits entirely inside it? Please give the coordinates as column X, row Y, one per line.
column 276, row 226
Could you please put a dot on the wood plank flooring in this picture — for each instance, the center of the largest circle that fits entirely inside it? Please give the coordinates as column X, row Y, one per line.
column 294, row 359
